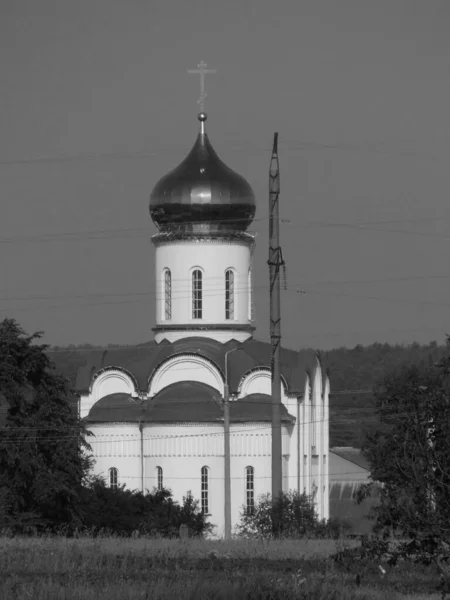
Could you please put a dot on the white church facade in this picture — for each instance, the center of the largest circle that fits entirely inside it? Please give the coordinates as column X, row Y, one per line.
column 156, row 410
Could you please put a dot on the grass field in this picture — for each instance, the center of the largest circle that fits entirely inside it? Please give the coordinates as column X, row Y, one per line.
column 114, row 568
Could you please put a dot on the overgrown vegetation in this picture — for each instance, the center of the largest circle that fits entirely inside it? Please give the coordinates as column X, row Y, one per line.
column 113, row 569
column 295, row 517
column 132, row 513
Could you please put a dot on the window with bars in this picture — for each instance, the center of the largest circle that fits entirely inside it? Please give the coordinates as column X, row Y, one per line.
column 229, row 294
column 250, row 490
column 205, row 491
column 167, row 294
column 113, row 478
column 159, row 478
column 197, row 294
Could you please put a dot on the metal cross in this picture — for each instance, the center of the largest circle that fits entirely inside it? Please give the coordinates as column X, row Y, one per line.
column 202, row 71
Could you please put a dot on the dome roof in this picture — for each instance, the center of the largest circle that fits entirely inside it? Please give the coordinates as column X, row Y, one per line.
column 202, row 195
column 184, row 402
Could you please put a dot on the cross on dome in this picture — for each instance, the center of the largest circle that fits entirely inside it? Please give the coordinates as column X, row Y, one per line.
column 202, row 71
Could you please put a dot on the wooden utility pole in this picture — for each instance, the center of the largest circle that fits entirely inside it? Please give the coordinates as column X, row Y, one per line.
column 275, row 263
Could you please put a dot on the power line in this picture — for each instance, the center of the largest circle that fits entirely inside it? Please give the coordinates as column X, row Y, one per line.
column 108, row 234
column 229, row 145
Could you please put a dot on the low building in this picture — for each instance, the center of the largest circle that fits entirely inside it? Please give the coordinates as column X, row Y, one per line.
column 349, row 470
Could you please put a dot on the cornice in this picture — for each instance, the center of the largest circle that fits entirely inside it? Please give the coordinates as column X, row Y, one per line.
column 204, row 327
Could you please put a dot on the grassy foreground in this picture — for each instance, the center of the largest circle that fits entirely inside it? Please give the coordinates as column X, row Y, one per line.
column 114, row 568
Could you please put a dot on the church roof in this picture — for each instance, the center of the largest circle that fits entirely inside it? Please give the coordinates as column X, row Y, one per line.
column 141, row 361
column 185, row 401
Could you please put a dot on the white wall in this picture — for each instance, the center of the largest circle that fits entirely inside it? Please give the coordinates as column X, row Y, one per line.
column 213, row 257
column 109, row 381
column 183, row 367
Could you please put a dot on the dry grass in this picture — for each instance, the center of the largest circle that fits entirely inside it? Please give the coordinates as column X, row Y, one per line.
column 114, row 568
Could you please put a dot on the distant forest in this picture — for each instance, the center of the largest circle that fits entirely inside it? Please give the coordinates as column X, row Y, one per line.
column 353, row 373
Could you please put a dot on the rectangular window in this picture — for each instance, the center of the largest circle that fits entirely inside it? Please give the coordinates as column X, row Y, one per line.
column 229, row 294
column 204, row 497
column 160, row 478
column 113, row 477
column 168, row 294
column 250, row 490
column 197, row 294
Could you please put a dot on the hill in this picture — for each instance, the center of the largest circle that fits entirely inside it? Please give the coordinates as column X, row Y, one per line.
column 353, row 374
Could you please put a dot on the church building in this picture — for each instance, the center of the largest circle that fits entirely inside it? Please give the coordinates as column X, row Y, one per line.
column 156, row 409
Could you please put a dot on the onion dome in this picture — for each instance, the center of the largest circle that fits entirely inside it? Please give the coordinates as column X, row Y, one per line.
column 202, row 195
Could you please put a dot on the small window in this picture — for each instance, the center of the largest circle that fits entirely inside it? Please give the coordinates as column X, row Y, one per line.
column 205, row 494
column 250, row 490
column 167, row 294
column 159, row 476
column 197, row 294
column 229, row 294
column 113, row 478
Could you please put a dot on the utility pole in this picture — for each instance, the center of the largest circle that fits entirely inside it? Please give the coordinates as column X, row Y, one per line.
column 227, row 451
column 275, row 263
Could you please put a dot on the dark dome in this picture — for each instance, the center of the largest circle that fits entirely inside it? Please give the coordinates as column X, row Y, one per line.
column 202, row 195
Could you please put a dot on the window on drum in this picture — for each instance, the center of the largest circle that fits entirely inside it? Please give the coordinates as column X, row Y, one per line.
column 229, row 294
column 167, row 294
column 197, row 294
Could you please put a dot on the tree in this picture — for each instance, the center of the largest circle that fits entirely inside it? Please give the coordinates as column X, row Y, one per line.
column 294, row 513
column 125, row 512
column 43, row 448
column 410, row 456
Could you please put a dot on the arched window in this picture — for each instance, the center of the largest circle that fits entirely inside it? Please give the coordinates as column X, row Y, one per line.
column 250, row 490
column 159, row 477
column 249, row 294
column 197, row 294
column 205, row 491
column 113, row 478
column 167, row 294
column 229, row 294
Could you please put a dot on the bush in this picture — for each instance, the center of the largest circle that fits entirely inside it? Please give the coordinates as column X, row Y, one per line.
column 124, row 512
column 295, row 517
column 294, row 514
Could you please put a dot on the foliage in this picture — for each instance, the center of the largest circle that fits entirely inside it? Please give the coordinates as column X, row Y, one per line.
column 117, row 568
column 294, row 514
column 43, row 448
column 410, row 455
column 125, row 512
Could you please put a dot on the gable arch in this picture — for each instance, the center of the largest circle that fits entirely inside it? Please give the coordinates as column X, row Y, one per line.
column 259, row 381
column 185, row 367
column 113, row 380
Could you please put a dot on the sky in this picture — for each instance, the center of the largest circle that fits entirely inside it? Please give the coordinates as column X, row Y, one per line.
column 97, row 105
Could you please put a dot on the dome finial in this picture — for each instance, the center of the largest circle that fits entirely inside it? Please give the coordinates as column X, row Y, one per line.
column 202, row 118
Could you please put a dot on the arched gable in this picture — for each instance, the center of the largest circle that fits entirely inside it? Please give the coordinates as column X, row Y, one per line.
column 113, row 380
column 259, row 381
column 185, row 367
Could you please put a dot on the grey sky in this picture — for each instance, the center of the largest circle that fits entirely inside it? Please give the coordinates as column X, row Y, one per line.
column 359, row 92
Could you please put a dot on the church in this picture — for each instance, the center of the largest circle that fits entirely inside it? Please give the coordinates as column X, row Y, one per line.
column 156, row 409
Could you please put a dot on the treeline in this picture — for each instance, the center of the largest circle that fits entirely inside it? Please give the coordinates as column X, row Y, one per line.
column 358, row 368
